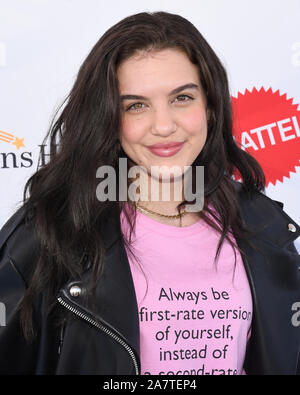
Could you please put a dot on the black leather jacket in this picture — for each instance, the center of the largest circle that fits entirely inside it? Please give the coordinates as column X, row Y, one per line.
column 103, row 337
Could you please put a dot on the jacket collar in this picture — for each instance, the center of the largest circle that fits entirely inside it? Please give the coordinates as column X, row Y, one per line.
column 116, row 305
column 266, row 217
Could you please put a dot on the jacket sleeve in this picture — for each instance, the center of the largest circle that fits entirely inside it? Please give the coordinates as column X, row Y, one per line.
column 291, row 247
column 17, row 257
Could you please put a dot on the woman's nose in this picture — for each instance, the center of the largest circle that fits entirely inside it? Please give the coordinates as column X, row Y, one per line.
column 163, row 122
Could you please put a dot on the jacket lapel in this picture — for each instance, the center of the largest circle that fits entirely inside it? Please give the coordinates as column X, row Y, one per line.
column 272, row 268
column 115, row 305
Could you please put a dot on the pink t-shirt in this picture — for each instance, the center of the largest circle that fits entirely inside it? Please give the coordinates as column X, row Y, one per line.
column 196, row 317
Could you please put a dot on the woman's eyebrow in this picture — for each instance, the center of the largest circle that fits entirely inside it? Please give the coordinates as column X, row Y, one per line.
column 173, row 92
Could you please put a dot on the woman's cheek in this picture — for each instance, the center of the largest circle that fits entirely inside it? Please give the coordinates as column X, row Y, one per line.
column 195, row 121
column 133, row 131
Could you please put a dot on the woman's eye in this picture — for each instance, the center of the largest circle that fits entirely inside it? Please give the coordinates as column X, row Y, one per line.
column 135, row 107
column 184, row 98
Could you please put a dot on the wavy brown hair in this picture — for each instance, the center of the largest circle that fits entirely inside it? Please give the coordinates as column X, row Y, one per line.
column 85, row 135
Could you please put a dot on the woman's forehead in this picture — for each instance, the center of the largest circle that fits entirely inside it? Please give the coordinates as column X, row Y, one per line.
column 167, row 69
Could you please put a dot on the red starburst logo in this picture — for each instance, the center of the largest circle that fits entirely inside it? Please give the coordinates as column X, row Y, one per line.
column 267, row 125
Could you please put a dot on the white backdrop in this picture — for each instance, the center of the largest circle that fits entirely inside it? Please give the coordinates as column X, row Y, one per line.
column 43, row 43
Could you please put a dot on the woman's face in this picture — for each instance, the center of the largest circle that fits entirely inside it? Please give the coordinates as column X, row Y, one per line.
column 162, row 102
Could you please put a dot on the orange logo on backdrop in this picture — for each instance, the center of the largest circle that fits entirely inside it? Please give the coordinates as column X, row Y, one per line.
column 10, row 138
column 267, row 125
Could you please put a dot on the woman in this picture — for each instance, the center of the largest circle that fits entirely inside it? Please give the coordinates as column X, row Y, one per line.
column 145, row 285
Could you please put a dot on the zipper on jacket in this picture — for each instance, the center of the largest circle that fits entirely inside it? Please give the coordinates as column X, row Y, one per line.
column 104, row 329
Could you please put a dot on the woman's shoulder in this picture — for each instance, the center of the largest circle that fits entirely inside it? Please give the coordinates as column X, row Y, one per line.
column 254, row 196
column 266, row 215
column 256, row 200
column 19, row 245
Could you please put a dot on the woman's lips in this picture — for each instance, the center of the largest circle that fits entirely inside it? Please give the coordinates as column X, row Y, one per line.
column 166, row 149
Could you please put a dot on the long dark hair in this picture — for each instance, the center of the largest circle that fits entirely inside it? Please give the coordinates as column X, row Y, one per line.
column 62, row 193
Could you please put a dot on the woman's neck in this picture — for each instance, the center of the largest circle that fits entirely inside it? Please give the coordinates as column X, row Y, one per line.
column 159, row 195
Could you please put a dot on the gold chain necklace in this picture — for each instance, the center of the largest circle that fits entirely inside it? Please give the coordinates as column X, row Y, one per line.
column 146, row 210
